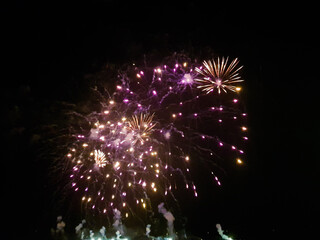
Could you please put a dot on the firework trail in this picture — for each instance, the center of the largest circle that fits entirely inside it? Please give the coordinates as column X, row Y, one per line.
column 158, row 123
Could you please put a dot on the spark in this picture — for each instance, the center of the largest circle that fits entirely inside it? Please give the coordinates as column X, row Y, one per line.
column 116, row 164
column 239, row 161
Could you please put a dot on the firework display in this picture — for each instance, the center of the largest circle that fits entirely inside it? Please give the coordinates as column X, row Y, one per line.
column 159, row 123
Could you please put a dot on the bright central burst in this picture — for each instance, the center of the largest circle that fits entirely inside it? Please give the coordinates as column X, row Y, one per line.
column 218, row 74
column 148, row 132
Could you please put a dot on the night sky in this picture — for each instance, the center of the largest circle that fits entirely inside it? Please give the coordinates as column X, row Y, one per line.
column 50, row 48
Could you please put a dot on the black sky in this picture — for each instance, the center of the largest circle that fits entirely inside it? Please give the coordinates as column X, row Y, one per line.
column 50, row 47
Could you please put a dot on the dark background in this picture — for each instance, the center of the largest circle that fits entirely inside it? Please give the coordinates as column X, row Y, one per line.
column 49, row 48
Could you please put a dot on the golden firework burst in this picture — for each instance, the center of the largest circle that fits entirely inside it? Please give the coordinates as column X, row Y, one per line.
column 100, row 158
column 142, row 126
column 220, row 75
